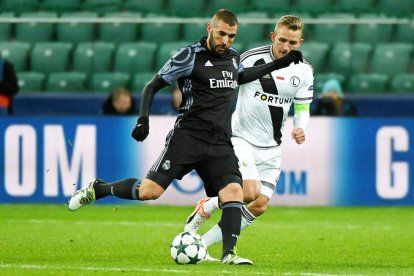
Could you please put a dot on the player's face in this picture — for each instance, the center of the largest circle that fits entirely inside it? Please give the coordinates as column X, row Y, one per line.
column 220, row 36
column 285, row 40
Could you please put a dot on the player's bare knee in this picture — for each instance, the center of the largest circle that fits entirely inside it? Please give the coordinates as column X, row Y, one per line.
column 150, row 190
column 259, row 206
column 251, row 190
column 234, row 188
column 146, row 194
column 249, row 197
column 257, row 210
column 232, row 192
column 261, row 209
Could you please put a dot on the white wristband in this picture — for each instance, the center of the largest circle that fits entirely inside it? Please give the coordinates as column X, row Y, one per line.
column 301, row 120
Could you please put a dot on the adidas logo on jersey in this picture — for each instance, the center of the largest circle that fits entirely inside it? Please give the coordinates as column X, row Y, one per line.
column 208, row 63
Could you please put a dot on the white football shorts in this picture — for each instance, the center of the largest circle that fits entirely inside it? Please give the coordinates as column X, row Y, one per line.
column 258, row 163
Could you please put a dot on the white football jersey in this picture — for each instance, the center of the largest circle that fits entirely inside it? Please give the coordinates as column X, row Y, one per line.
column 263, row 105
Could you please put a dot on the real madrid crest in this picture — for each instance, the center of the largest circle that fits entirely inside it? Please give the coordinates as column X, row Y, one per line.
column 167, row 164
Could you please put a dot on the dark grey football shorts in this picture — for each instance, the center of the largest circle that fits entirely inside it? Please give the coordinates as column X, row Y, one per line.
column 216, row 164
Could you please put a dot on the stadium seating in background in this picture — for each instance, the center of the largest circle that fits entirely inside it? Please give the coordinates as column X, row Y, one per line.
column 135, row 57
column 50, row 57
column 391, row 58
column 373, row 83
column 36, row 32
column 17, row 53
column 402, row 83
column 405, row 32
column 66, row 82
column 140, row 80
column 255, row 44
column 315, row 53
column 160, row 32
column 370, row 50
column 19, row 6
column 31, row 81
column 239, row 47
column 60, row 6
column 270, row 5
column 397, row 8
column 194, row 31
column 106, row 82
column 116, row 32
column 101, row 6
column 321, row 78
column 355, row 6
column 186, row 8
column 145, row 6
column 308, row 31
column 314, row 7
column 93, row 57
column 372, row 32
column 349, row 58
column 251, row 32
column 6, row 29
column 236, row 6
column 333, row 33
column 76, row 32
column 167, row 50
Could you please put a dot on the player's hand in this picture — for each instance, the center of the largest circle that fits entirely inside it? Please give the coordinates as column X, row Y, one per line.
column 299, row 135
column 293, row 56
column 141, row 129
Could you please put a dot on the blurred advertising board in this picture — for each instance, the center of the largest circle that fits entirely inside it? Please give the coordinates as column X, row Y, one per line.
column 344, row 162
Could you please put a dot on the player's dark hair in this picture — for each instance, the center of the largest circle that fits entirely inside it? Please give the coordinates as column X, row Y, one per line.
column 227, row 16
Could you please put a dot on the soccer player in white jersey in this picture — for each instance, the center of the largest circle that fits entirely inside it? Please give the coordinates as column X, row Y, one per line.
column 257, row 124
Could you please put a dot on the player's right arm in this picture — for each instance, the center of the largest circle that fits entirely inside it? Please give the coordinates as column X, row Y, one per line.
column 154, row 85
column 141, row 129
column 181, row 64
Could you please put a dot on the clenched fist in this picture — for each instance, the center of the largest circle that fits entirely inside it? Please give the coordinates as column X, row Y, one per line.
column 141, row 129
column 299, row 135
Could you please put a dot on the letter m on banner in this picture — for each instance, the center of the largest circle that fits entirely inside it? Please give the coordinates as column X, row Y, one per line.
column 59, row 165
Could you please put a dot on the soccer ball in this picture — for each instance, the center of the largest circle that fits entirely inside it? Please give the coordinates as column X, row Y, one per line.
column 188, row 248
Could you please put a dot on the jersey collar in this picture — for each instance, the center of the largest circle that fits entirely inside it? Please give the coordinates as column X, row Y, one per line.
column 271, row 52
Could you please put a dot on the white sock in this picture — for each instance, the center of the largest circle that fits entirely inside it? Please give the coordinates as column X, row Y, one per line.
column 211, row 205
column 214, row 234
column 247, row 218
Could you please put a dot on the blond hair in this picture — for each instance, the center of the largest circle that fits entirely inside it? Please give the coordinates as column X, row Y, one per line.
column 292, row 22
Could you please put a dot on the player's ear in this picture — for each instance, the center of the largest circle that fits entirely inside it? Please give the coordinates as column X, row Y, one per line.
column 272, row 36
column 209, row 27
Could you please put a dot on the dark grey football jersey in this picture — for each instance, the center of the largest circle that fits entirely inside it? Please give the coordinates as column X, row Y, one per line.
column 208, row 83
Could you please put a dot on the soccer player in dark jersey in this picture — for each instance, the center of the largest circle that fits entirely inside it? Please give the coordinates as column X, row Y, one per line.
column 258, row 122
column 208, row 73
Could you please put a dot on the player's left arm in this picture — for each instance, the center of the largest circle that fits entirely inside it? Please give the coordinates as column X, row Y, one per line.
column 300, row 122
column 301, row 104
column 253, row 73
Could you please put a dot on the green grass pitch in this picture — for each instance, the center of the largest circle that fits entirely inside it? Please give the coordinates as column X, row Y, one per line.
column 134, row 240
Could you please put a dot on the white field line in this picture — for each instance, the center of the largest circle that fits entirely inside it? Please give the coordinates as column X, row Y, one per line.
column 152, row 270
column 86, row 222
column 169, row 224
